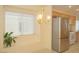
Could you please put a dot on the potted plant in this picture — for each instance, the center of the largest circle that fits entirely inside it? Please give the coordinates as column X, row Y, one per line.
column 8, row 39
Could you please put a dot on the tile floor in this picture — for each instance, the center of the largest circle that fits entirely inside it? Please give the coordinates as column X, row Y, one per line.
column 38, row 49
column 73, row 49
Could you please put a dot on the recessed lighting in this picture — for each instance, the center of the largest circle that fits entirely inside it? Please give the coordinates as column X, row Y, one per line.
column 77, row 9
column 70, row 6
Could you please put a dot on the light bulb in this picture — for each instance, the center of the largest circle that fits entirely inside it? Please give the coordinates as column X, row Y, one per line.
column 77, row 9
column 39, row 16
column 70, row 6
column 48, row 17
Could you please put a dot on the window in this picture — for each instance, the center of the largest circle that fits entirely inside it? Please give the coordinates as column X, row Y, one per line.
column 77, row 25
column 19, row 24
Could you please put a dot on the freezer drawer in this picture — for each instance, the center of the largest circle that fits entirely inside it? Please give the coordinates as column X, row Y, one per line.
column 64, row 45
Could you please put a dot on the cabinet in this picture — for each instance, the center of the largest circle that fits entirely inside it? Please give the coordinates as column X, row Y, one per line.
column 72, row 25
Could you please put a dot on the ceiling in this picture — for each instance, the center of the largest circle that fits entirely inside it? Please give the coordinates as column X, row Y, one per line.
column 72, row 10
column 64, row 8
column 31, row 7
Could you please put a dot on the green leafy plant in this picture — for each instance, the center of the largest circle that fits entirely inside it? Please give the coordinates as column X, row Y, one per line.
column 8, row 39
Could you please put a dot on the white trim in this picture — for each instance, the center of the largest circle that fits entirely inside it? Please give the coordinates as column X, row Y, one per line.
column 59, row 33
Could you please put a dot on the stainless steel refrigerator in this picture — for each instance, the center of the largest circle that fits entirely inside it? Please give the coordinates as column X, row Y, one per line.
column 60, row 42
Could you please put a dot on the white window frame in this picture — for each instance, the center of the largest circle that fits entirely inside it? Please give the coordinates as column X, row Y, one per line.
column 20, row 16
column 77, row 25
